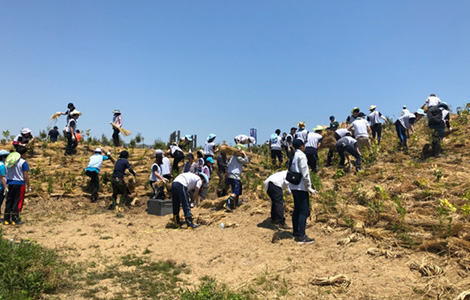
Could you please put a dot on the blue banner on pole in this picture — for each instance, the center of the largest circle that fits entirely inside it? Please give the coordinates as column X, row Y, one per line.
column 253, row 133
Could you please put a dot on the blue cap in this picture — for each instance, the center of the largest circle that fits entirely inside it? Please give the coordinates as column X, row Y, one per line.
column 4, row 152
column 209, row 159
column 211, row 136
column 189, row 137
column 206, row 184
column 420, row 111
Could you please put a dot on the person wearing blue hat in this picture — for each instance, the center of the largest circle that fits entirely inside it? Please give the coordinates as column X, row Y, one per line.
column 210, row 147
column 406, row 122
column 184, row 184
column 3, row 183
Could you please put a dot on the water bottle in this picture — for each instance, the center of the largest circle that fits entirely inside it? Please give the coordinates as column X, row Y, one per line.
column 222, row 225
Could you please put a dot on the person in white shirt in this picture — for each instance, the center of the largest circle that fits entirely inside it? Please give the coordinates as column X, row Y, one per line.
column 274, row 186
column 244, row 140
column 301, row 132
column 209, row 147
column 70, row 133
column 180, row 189
column 276, row 147
column 156, row 179
column 339, row 133
column 354, row 113
column 403, row 123
column 375, row 124
column 117, row 120
column 177, row 154
column 405, row 111
column 432, row 100
column 361, row 131
column 300, row 193
column 235, row 169
column 350, row 145
column 314, row 140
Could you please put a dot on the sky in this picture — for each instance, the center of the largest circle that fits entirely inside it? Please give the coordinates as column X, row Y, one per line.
column 224, row 67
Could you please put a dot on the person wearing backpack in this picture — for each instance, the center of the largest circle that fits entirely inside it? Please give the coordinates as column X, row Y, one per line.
column 438, row 118
column 276, row 146
column 17, row 175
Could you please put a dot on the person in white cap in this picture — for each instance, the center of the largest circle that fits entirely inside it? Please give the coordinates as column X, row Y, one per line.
column 375, row 124
column 23, row 138
column 3, row 181
column 209, row 147
column 405, row 111
column 117, row 120
column 70, row 133
column 93, row 170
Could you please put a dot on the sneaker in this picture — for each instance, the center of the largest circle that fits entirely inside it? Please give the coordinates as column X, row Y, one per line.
column 193, row 226
column 304, row 240
column 18, row 222
column 282, row 225
column 227, row 207
column 6, row 222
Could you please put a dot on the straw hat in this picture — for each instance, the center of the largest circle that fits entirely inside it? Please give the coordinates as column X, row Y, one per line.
column 354, row 109
column 372, row 107
column 76, row 112
column 318, row 127
column 301, row 124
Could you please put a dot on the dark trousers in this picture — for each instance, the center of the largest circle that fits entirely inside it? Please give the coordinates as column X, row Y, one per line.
column 301, row 212
column 2, row 196
column 351, row 150
column 277, row 203
column 278, row 154
column 401, row 133
column 438, row 135
column 180, row 195
column 236, row 186
column 312, row 158
column 116, row 137
column 14, row 203
column 119, row 188
column 377, row 131
column 329, row 157
column 71, row 144
column 94, row 183
column 177, row 157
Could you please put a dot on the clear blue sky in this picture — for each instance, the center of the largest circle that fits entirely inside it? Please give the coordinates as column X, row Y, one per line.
column 226, row 66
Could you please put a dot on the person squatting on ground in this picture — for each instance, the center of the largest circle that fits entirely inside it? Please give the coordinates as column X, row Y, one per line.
column 300, row 192
column 350, row 145
column 274, row 186
column 23, row 138
column 117, row 120
column 375, row 124
column 180, row 189
column 156, row 179
column 275, row 144
column 314, row 140
column 209, row 147
column 235, row 169
column 222, row 167
column 53, row 134
column 117, row 180
column 438, row 120
column 3, row 180
column 405, row 122
column 17, row 176
column 93, row 170
column 177, row 154
column 361, row 130
column 72, row 142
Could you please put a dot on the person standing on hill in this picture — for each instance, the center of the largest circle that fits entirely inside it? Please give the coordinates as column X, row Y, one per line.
column 361, row 131
column 300, row 192
column 166, row 171
column 275, row 146
column 117, row 120
column 70, row 108
column 375, row 124
column 3, row 181
column 354, row 113
column 70, row 133
column 301, row 132
column 222, row 167
column 350, row 145
column 235, row 169
column 53, row 134
column 289, row 141
column 190, row 165
column 405, row 111
column 333, row 124
column 406, row 122
column 274, row 186
column 209, row 147
column 17, row 176
column 117, row 180
column 314, row 140
column 23, row 138
column 93, row 170
column 156, row 178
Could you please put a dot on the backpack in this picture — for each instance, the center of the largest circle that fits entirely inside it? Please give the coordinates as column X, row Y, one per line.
column 434, row 115
column 274, row 138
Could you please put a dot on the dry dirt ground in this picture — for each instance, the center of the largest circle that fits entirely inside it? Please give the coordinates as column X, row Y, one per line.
column 377, row 250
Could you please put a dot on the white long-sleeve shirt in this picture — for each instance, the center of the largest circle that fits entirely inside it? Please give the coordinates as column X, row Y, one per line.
column 278, row 179
column 300, row 165
column 235, row 166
